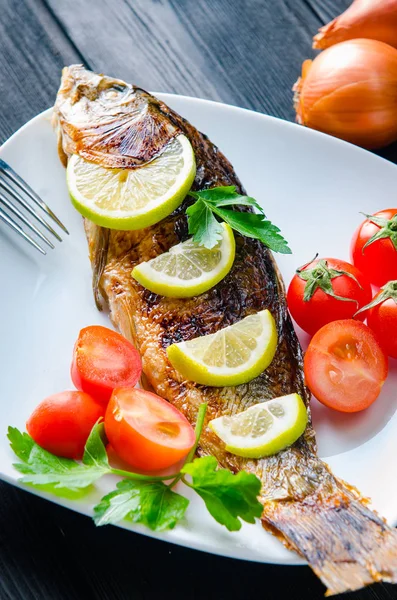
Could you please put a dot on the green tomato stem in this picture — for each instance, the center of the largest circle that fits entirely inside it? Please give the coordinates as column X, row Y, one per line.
column 385, row 293
column 198, row 429
column 140, row 477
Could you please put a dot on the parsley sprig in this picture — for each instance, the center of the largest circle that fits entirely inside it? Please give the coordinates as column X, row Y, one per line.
column 207, row 230
column 139, row 498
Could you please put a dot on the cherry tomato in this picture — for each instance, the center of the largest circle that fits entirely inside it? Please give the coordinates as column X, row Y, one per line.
column 146, row 431
column 62, row 423
column 382, row 317
column 103, row 360
column 378, row 261
column 345, row 367
column 317, row 293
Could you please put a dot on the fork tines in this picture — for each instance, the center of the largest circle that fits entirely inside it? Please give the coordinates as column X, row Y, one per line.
column 15, row 191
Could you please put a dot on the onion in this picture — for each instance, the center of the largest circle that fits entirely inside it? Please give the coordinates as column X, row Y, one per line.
column 373, row 19
column 350, row 91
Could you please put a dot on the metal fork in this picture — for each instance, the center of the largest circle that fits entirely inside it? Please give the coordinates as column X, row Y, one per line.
column 15, row 191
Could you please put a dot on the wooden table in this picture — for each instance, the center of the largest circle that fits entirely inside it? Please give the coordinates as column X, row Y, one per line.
column 242, row 52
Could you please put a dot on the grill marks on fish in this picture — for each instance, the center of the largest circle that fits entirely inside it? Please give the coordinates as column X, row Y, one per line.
column 305, row 506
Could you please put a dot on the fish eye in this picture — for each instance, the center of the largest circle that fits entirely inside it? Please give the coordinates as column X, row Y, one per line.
column 118, row 87
column 113, row 91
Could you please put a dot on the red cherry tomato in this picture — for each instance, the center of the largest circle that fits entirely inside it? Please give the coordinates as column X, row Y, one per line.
column 382, row 318
column 103, row 360
column 345, row 367
column 378, row 261
column 147, row 432
column 322, row 307
column 62, row 423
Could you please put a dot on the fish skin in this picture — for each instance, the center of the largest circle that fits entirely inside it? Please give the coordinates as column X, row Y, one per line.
column 310, row 510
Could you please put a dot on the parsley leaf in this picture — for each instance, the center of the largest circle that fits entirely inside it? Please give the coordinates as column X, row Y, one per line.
column 141, row 498
column 40, row 467
column 225, row 196
column 151, row 503
column 206, row 230
column 227, row 497
column 21, row 443
column 95, row 454
column 255, row 226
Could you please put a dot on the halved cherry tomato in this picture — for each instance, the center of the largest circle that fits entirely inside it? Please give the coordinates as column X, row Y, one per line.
column 103, row 360
column 382, row 317
column 146, row 431
column 327, row 290
column 345, row 367
column 62, row 423
column 378, row 260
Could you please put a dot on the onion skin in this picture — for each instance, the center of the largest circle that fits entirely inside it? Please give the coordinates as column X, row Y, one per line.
column 350, row 91
column 373, row 19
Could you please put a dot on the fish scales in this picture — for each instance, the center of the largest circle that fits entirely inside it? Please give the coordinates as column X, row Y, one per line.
column 310, row 510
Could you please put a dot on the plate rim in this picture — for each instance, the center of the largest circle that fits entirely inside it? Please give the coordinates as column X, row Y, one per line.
column 47, row 113
column 86, row 509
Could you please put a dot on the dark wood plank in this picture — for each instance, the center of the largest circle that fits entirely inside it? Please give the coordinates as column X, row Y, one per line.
column 33, row 51
column 245, row 52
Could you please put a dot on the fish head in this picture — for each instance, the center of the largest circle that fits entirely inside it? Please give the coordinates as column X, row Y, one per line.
column 108, row 121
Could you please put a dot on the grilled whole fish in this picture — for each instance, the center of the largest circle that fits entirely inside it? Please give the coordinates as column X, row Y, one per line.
column 309, row 509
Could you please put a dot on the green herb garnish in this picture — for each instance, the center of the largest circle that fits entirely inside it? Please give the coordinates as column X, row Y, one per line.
column 42, row 468
column 227, row 497
column 142, row 498
column 151, row 503
column 206, row 229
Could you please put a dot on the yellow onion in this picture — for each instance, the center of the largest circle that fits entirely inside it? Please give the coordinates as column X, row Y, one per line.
column 373, row 19
column 350, row 91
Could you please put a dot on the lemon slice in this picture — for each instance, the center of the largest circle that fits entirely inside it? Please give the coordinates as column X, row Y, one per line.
column 263, row 429
column 188, row 269
column 233, row 355
column 133, row 198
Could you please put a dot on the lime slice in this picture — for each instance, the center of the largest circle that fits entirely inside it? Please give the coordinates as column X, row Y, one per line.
column 233, row 355
column 188, row 269
column 263, row 429
column 133, row 198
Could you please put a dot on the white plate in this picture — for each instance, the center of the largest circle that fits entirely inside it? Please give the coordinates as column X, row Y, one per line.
column 310, row 184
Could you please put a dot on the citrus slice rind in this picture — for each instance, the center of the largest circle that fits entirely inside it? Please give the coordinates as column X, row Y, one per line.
column 188, row 269
column 231, row 356
column 263, row 429
column 129, row 199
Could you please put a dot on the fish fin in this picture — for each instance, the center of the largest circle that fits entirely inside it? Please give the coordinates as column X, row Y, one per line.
column 122, row 318
column 346, row 544
column 98, row 243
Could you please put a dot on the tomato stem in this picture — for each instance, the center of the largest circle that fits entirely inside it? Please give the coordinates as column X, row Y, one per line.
column 387, row 230
column 320, row 276
column 385, row 293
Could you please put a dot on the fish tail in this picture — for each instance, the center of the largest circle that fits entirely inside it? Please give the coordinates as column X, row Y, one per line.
column 347, row 545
